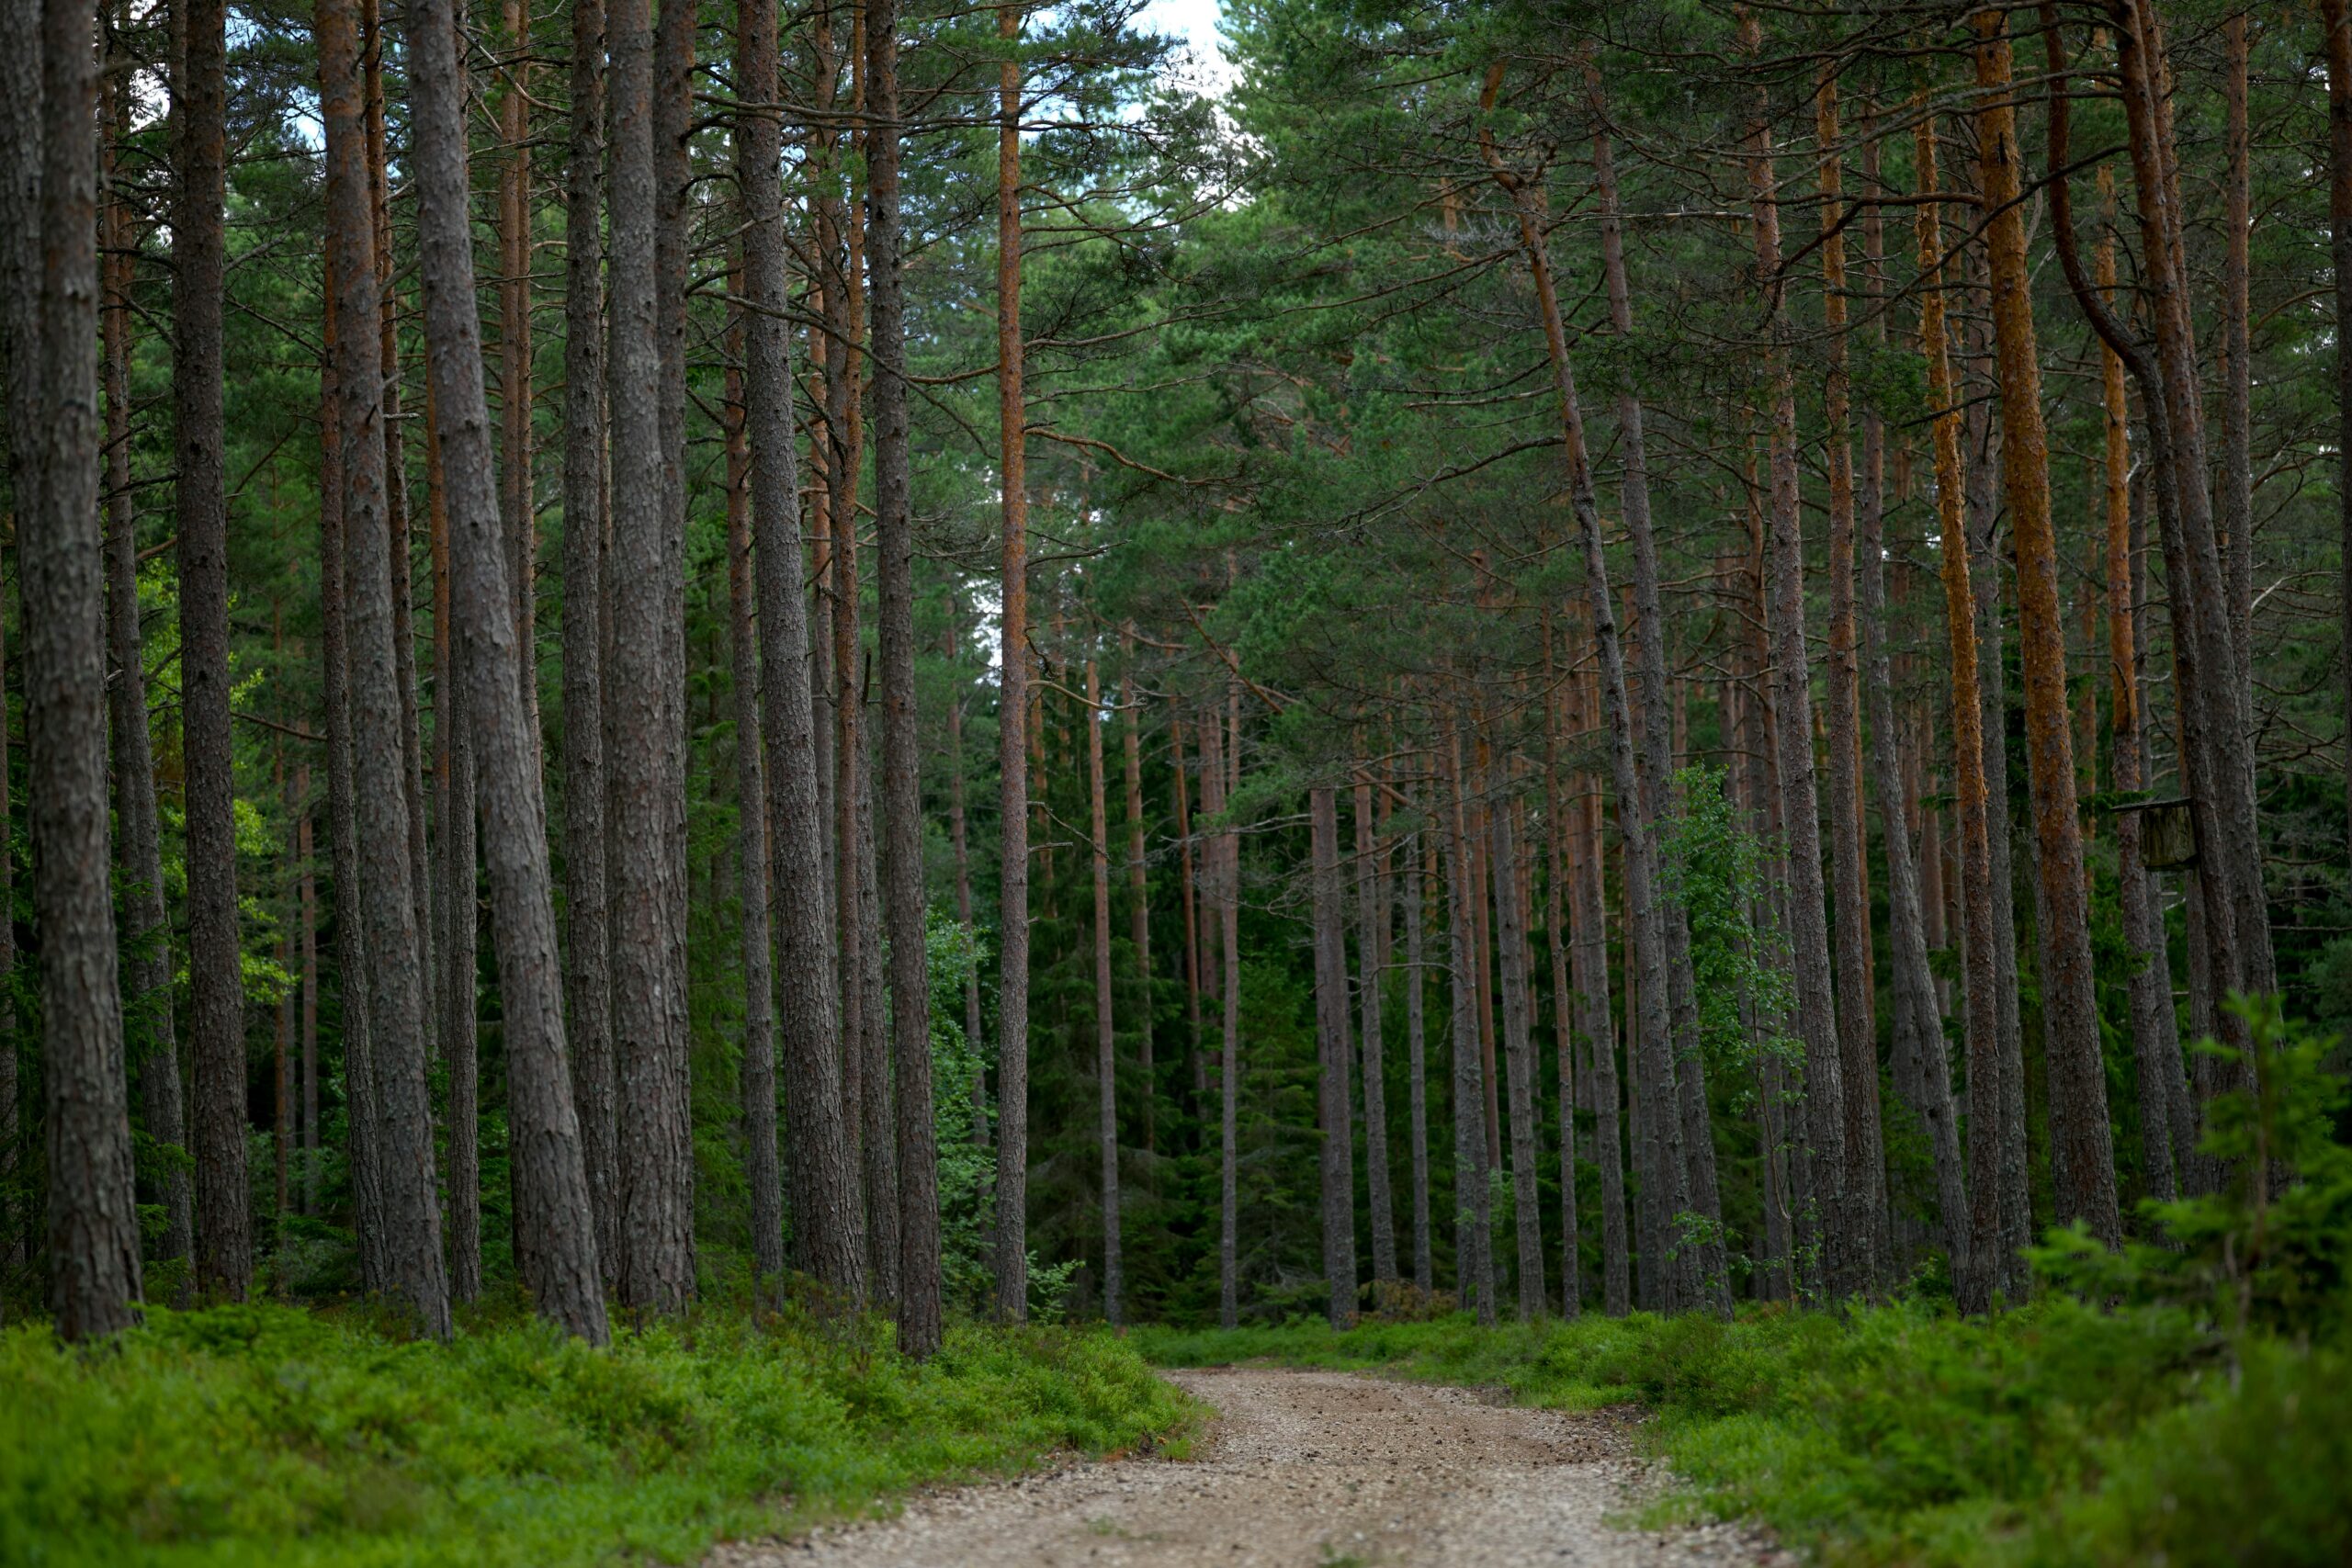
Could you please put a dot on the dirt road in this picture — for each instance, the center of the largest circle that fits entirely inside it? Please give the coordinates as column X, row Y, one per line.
column 1305, row 1470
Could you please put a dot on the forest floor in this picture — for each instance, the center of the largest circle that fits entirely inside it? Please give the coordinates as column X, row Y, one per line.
column 1309, row 1470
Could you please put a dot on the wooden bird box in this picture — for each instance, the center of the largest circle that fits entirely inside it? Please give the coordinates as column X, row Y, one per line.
column 2168, row 833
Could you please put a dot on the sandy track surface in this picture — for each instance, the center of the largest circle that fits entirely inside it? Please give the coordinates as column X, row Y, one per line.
column 1305, row 1470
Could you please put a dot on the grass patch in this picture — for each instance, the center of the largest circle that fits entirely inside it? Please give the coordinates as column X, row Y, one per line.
column 2057, row 1434
column 268, row 1434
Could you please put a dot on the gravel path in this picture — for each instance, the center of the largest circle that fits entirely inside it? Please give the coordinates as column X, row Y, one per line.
column 1305, row 1470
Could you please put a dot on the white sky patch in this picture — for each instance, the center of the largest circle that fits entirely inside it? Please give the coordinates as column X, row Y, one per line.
column 1204, row 66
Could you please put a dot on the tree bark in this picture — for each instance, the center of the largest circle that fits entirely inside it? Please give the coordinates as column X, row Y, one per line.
column 554, row 1227
column 1105, row 1038
column 2235, row 481
column 2334, row 14
column 1013, row 712
column 456, row 988
column 56, row 434
column 1418, row 855
column 1918, row 1015
column 411, row 1216
column 1224, row 889
column 1338, row 1160
column 647, row 890
column 1372, row 915
column 224, row 1255
column 1556, row 938
column 1138, row 886
column 1518, row 1055
column 20, row 332
column 828, row 1238
column 588, row 965
column 919, row 1297
column 2082, row 1152
column 1472, row 1219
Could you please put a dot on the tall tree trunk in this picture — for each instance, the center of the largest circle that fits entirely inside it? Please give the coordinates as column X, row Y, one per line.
column 1138, row 885
column 307, row 849
column 2083, row 1154
column 1420, row 857
column 2335, row 20
column 1556, row 939
column 514, row 357
column 2235, row 484
column 879, row 1137
column 959, row 845
column 919, row 1297
column 457, row 985
column 1472, row 1220
column 411, row 1216
column 588, row 965
column 224, row 1255
column 554, row 1227
column 94, row 1267
column 20, row 332
column 362, row 1115
column 1224, row 889
column 1918, row 1015
column 1865, row 1175
column 1194, row 907
column 1013, row 712
column 146, row 934
column 1106, row 1075
column 647, row 889
column 1372, row 915
column 2156, row 1043
column 755, row 69
column 1589, row 971
column 826, row 1237
column 1338, row 1161
column 1988, row 1270
column 1519, row 1056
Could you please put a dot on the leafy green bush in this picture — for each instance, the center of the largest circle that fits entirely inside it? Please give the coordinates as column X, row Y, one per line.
column 266, row 1433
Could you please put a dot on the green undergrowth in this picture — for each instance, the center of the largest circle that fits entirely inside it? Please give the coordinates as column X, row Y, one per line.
column 279, row 1435
column 2056, row 1434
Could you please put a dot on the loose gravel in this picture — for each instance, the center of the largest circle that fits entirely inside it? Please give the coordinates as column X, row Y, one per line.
column 1307, row 1469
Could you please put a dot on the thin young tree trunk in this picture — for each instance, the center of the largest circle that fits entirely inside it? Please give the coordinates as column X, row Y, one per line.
column 1473, row 1218
column 55, row 435
column 1223, row 889
column 1589, row 971
column 2083, row 1155
column 919, row 1297
column 1918, row 1016
column 554, row 1226
column 457, row 986
column 1338, row 1161
column 1989, row 1267
column 757, row 161
column 1013, row 712
column 514, row 357
column 1417, row 1051
column 1555, row 937
column 1194, row 907
column 1138, row 886
column 224, row 1255
column 958, row 838
column 647, row 889
column 1865, row 1176
column 1106, row 1076
column 588, row 967
column 410, row 1217
column 1372, row 915
column 878, row 1138
column 1519, row 1056
column 146, row 935
column 306, row 848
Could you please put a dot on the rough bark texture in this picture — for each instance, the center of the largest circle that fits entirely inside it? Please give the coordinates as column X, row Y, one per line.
column 94, row 1267
column 919, row 1284
column 2081, row 1153
column 646, row 881
column 1337, row 1159
column 1223, row 886
column 1138, row 888
column 1106, row 1061
column 1418, row 855
column 587, row 959
column 2234, row 489
column 828, row 1238
column 1013, row 711
column 2336, row 22
column 21, row 328
column 224, row 1251
column 455, row 986
column 1372, row 917
column 1556, row 939
column 410, row 1216
column 555, row 1240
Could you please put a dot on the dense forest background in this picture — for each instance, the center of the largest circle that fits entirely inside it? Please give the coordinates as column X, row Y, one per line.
column 1538, row 656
